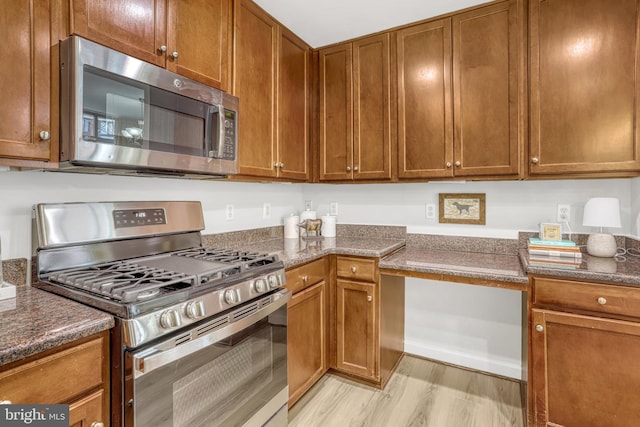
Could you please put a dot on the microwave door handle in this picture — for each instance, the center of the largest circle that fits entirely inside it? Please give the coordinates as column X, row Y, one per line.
column 144, row 362
column 219, row 143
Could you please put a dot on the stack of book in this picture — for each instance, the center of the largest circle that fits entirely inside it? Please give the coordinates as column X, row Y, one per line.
column 554, row 254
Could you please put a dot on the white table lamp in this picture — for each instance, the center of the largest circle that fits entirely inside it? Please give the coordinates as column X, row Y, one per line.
column 602, row 212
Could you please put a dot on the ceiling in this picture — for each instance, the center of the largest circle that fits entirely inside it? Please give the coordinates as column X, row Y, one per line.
column 325, row 22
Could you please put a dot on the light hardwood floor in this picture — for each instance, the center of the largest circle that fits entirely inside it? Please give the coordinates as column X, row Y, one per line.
column 420, row 393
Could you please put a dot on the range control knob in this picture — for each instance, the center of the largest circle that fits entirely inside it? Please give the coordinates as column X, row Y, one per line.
column 231, row 297
column 274, row 281
column 194, row 310
column 260, row 286
column 170, row 319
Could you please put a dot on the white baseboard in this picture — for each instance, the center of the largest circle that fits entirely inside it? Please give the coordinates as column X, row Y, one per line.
column 493, row 365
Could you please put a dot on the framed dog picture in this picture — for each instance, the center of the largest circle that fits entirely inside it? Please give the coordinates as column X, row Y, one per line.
column 462, row 208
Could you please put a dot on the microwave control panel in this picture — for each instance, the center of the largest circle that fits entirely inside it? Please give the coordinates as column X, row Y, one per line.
column 228, row 147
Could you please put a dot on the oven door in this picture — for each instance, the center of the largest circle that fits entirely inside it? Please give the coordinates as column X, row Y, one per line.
column 230, row 375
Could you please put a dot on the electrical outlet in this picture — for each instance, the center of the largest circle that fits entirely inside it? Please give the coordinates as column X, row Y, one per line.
column 333, row 208
column 564, row 213
column 266, row 210
column 228, row 212
column 430, row 211
column 308, row 205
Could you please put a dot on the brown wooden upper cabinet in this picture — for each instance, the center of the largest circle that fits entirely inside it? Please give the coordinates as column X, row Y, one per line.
column 191, row 38
column 28, row 106
column 355, row 110
column 271, row 78
column 584, row 86
column 460, row 94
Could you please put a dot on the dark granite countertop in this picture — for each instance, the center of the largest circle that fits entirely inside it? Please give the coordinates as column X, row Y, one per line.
column 483, row 266
column 619, row 270
column 294, row 252
column 35, row 321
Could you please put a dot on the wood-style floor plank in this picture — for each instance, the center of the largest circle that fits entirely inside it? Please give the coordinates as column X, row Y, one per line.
column 420, row 393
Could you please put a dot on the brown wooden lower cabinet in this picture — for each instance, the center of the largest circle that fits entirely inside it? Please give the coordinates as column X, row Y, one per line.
column 583, row 364
column 307, row 327
column 369, row 320
column 75, row 374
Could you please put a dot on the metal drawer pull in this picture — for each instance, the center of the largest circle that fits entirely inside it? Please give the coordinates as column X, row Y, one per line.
column 305, row 278
column 354, row 269
column 602, row 300
column 5, row 402
column 369, row 298
column 97, row 424
column 539, row 328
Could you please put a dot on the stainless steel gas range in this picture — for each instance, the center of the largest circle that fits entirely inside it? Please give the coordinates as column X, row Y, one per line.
column 201, row 333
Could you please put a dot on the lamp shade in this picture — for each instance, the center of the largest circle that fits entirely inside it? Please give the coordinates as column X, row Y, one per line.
column 602, row 212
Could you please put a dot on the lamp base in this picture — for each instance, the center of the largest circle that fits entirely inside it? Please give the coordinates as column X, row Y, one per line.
column 601, row 245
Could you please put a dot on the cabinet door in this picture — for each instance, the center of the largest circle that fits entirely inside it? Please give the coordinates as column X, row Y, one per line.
column 487, row 63
column 87, row 411
column 584, row 370
column 336, row 113
column 255, row 85
column 26, row 85
column 306, row 339
column 293, row 106
column 584, row 86
column 355, row 328
column 134, row 27
column 200, row 33
column 371, row 108
column 425, row 127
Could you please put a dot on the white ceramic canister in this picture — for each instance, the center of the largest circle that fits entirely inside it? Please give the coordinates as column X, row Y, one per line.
column 329, row 225
column 291, row 230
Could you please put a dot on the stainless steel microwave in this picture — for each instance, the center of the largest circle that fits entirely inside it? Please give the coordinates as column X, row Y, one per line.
column 122, row 115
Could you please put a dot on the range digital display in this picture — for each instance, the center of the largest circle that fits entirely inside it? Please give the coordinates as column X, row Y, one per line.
column 138, row 217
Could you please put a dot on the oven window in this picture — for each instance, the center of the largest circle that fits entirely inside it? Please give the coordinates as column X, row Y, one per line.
column 223, row 384
column 128, row 113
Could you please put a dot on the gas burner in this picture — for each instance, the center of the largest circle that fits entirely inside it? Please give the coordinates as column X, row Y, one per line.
column 123, row 281
column 245, row 260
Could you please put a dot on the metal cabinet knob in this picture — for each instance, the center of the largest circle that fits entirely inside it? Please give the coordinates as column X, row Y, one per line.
column 458, row 164
column 369, row 298
column 45, row 135
column 281, row 165
column 539, row 328
column 305, row 278
column 354, row 269
column 5, row 402
column 602, row 300
column 97, row 424
column 348, row 168
column 355, row 169
column 174, row 54
column 448, row 164
column 162, row 48
column 535, row 160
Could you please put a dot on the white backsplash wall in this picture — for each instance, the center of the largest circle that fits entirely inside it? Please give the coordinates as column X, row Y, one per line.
column 19, row 191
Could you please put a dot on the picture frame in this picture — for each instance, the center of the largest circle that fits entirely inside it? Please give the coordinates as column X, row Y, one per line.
column 462, row 208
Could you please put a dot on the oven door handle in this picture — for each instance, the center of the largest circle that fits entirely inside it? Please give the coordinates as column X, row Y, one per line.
column 156, row 357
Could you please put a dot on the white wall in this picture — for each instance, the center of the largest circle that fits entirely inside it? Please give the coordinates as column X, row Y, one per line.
column 468, row 325
column 19, row 191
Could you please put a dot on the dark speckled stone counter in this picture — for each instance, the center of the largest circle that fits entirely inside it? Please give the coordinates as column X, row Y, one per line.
column 490, row 267
column 297, row 251
column 623, row 271
column 36, row 321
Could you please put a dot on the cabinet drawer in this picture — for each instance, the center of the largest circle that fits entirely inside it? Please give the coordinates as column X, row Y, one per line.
column 612, row 299
column 306, row 275
column 357, row 268
column 55, row 378
column 87, row 411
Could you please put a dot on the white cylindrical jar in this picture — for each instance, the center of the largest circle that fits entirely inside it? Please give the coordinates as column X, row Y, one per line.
column 329, row 226
column 291, row 230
